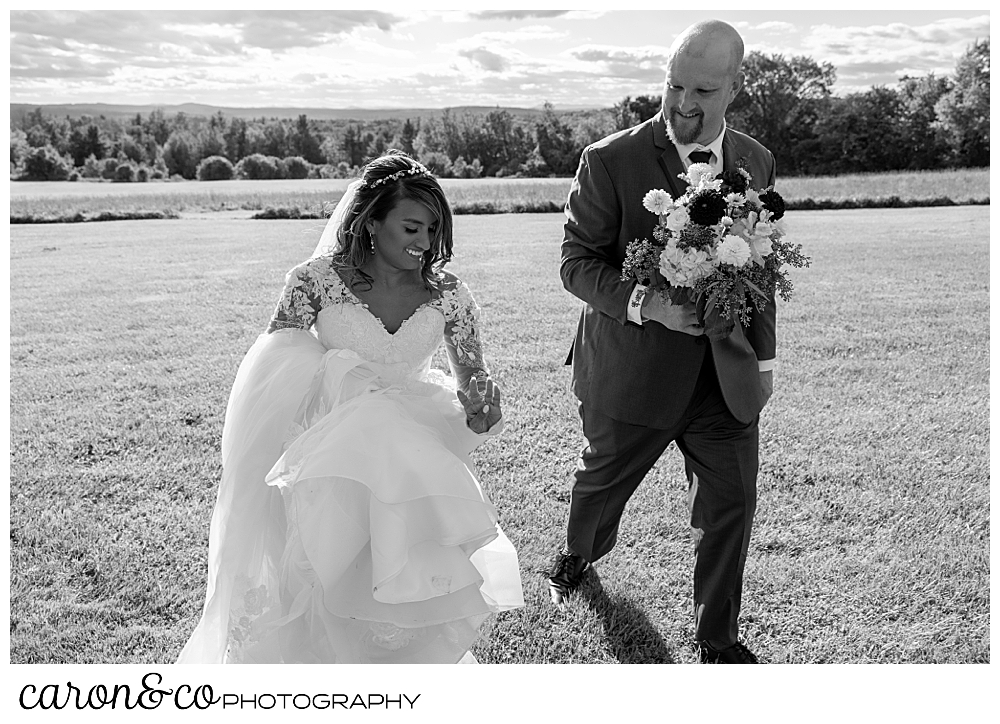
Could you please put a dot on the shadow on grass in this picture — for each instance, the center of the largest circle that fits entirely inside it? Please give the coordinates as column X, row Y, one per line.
column 632, row 639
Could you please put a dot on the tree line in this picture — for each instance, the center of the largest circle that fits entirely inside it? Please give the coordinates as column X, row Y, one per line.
column 787, row 104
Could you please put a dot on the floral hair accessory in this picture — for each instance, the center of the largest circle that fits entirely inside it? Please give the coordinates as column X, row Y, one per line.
column 419, row 170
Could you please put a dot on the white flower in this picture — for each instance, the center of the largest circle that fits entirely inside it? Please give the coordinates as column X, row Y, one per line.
column 740, row 227
column 762, row 244
column 657, row 202
column 727, row 221
column 733, row 250
column 684, row 267
column 678, row 218
column 700, row 174
column 753, row 197
column 779, row 227
column 733, row 199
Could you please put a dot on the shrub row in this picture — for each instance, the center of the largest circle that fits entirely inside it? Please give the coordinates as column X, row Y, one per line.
column 489, row 207
column 44, row 163
column 100, row 216
column 879, row 202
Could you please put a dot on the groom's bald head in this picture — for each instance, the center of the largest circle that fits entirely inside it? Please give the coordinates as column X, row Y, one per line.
column 713, row 42
column 703, row 78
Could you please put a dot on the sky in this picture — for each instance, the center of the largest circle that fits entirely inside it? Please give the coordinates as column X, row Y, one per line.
column 403, row 58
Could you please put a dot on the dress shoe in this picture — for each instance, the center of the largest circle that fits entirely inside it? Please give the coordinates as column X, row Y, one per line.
column 566, row 574
column 735, row 654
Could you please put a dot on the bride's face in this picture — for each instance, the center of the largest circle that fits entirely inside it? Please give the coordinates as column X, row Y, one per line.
column 402, row 238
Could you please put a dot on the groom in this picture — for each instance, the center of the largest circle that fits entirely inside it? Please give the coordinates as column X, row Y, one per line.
column 643, row 371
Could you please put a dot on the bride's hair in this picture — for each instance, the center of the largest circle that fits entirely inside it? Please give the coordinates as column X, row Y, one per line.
column 385, row 182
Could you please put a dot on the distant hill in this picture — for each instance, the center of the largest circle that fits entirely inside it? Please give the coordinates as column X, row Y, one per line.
column 76, row 110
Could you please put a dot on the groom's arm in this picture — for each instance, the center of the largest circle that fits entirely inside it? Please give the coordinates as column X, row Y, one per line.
column 761, row 332
column 590, row 268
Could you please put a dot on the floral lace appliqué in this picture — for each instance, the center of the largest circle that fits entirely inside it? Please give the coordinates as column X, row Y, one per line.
column 309, row 288
column 462, row 321
column 247, row 614
column 389, row 636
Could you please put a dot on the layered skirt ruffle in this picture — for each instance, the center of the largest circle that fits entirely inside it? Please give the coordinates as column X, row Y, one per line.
column 349, row 526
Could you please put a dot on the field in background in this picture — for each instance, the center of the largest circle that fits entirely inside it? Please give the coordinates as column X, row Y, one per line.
column 61, row 199
column 871, row 542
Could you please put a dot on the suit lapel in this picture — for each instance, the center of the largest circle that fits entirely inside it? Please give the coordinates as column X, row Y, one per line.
column 729, row 153
column 669, row 161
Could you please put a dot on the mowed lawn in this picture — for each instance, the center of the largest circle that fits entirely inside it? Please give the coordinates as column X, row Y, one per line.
column 871, row 542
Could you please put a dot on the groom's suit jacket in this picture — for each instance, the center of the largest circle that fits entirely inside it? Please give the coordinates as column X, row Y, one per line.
column 645, row 374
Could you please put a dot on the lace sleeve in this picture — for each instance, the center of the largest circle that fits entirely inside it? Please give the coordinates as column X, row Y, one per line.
column 461, row 333
column 299, row 303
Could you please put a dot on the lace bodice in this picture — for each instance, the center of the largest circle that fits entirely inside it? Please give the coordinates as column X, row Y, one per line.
column 315, row 297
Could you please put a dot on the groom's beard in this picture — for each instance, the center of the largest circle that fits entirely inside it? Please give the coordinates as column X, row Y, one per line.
column 684, row 130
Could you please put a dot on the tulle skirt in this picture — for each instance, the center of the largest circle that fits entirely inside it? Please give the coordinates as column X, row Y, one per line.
column 349, row 526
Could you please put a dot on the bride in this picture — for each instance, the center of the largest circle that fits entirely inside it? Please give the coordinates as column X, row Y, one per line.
column 349, row 526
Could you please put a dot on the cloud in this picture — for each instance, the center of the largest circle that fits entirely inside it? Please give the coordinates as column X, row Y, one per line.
column 517, row 14
column 144, row 31
column 776, row 26
column 527, row 34
column 941, row 39
column 485, row 59
column 643, row 57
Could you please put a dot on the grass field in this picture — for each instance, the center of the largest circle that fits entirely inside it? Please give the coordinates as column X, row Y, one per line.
column 871, row 541
column 63, row 199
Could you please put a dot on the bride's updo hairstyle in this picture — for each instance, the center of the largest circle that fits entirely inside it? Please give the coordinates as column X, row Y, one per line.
column 385, row 182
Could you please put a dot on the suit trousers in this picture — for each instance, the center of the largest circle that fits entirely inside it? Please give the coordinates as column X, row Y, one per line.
column 721, row 460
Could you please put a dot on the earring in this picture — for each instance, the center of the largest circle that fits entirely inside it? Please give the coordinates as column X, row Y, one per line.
column 371, row 238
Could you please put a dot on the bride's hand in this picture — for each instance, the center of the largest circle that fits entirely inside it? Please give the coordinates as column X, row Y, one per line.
column 482, row 404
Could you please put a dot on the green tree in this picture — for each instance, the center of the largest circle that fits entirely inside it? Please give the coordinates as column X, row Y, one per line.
column 210, row 141
column 622, row 115
column 19, row 146
column 156, row 126
column 215, row 168
column 180, row 154
column 303, row 143
column 405, row 138
column 354, row 146
column 924, row 143
column 86, row 141
column 860, row 133
column 45, row 164
column 275, row 139
column 964, row 111
column 237, row 143
column 556, row 144
column 780, row 103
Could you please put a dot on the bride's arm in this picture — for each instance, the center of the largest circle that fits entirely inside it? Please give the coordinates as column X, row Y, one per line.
column 299, row 302
column 461, row 333
column 478, row 394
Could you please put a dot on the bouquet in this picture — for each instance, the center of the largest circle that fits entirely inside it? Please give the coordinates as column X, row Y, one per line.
column 720, row 245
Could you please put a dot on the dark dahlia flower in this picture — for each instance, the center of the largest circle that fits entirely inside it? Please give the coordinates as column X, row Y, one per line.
column 733, row 181
column 707, row 207
column 772, row 201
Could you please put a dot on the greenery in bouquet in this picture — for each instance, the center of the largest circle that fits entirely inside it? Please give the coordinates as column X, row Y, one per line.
column 721, row 244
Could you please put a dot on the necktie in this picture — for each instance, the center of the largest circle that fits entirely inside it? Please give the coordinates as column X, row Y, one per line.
column 700, row 157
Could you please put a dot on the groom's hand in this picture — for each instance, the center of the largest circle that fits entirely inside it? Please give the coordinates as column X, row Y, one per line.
column 766, row 385
column 678, row 317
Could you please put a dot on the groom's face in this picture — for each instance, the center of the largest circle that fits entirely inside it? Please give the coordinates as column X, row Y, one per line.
column 697, row 92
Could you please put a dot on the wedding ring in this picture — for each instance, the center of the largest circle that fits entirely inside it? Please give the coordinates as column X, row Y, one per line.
column 486, row 409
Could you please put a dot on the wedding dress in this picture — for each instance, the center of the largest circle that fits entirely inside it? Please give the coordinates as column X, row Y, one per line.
column 349, row 526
